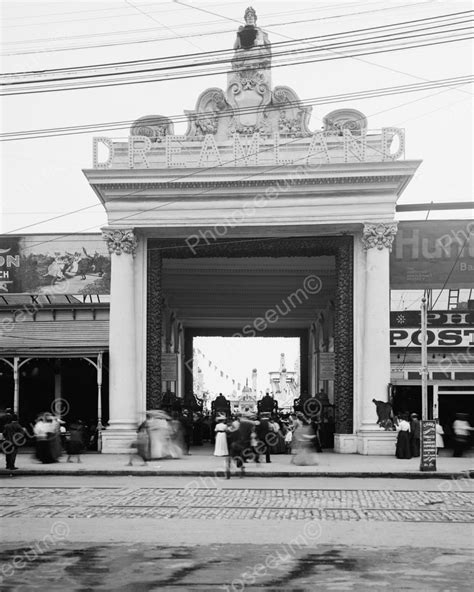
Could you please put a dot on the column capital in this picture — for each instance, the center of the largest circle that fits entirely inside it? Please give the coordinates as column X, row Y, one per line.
column 379, row 235
column 120, row 240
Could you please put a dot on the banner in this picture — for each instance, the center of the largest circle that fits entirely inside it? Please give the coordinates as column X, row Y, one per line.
column 9, row 265
column 54, row 264
column 426, row 254
column 437, row 337
column 436, row 318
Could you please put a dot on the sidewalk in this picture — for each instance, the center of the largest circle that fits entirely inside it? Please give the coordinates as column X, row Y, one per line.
column 202, row 463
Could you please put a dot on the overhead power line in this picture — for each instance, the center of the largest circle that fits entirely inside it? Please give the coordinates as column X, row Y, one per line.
column 175, row 72
column 200, row 33
column 180, row 178
column 329, row 99
column 227, row 53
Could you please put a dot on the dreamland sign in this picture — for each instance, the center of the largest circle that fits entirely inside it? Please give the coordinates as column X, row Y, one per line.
column 185, row 152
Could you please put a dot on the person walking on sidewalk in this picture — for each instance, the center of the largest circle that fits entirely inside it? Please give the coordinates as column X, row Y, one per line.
column 220, row 447
column 13, row 438
column 266, row 436
column 75, row 441
column 403, row 449
column 462, row 432
column 415, row 435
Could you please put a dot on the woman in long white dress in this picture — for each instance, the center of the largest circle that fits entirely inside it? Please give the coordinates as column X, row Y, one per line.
column 221, row 448
column 302, row 447
column 160, row 434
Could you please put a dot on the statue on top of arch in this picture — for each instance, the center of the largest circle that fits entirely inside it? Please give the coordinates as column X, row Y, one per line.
column 251, row 43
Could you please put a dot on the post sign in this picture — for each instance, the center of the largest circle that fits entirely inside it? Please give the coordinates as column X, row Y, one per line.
column 327, row 365
column 428, row 445
column 169, row 367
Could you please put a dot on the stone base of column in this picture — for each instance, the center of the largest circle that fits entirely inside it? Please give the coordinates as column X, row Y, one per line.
column 117, row 441
column 376, row 442
column 345, row 443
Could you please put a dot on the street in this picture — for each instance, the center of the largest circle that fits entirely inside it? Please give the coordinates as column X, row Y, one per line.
column 181, row 533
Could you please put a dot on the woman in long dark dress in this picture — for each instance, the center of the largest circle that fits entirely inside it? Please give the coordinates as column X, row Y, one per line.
column 75, row 441
column 403, row 449
column 48, row 440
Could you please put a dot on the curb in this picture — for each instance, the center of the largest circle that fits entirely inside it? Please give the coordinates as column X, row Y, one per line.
column 157, row 473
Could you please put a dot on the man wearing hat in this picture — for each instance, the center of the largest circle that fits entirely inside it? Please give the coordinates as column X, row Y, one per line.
column 264, row 435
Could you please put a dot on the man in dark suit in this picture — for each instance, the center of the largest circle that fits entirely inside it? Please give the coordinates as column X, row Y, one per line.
column 264, row 434
column 240, row 445
column 415, row 435
column 14, row 436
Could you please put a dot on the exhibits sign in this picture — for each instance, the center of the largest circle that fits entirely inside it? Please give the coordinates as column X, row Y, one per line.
column 327, row 363
column 425, row 254
column 428, row 445
column 169, row 366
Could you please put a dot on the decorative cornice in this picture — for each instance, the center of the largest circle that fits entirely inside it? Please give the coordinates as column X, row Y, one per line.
column 120, row 241
column 380, row 235
column 259, row 183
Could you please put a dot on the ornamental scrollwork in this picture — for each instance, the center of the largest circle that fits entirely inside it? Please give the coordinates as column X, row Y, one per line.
column 379, row 235
column 155, row 127
column 345, row 119
column 120, row 241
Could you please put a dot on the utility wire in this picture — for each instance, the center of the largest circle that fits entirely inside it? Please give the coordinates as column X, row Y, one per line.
column 278, row 45
column 303, row 103
column 183, row 75
column 191, row 175
column 111, row 43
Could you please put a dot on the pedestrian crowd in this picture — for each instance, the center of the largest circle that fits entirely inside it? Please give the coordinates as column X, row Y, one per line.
column 50, row 435
column 238, row 438
column 409, row 435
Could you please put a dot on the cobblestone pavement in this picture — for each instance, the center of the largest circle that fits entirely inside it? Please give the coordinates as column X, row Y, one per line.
column 256, row 504
column 271, row 568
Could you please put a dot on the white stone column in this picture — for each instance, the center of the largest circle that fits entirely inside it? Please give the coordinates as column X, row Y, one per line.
column 122, row 363
column 377, row 241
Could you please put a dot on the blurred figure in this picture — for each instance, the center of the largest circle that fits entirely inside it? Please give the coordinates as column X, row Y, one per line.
column 48, row 442
column 240, row 440
column 403, row 448
column 462, row 432
column 302, row 447
column 160, row 434
column 141, row 446
column 187, row 423
column 176, row 437
column 415, row 435
column 75, row 441
column 439, row 436
column 266, row 436
column 14, row 437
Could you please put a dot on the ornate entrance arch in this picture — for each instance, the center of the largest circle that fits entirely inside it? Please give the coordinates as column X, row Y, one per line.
column 341, row 247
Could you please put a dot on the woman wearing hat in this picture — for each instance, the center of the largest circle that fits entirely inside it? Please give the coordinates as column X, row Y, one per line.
column 221, row 448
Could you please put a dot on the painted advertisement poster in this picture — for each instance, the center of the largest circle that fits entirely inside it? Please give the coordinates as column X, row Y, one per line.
column 76, row 264
column 428, row 445
column 424, row 254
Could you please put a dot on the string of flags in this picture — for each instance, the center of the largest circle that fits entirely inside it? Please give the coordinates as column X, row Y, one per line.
column 214, row 366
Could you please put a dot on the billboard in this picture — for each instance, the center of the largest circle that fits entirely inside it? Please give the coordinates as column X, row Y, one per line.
column 76, row 264
column 428, row 254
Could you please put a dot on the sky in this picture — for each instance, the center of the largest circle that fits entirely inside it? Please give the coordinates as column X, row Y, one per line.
column 43, row 179
column 262, row 353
